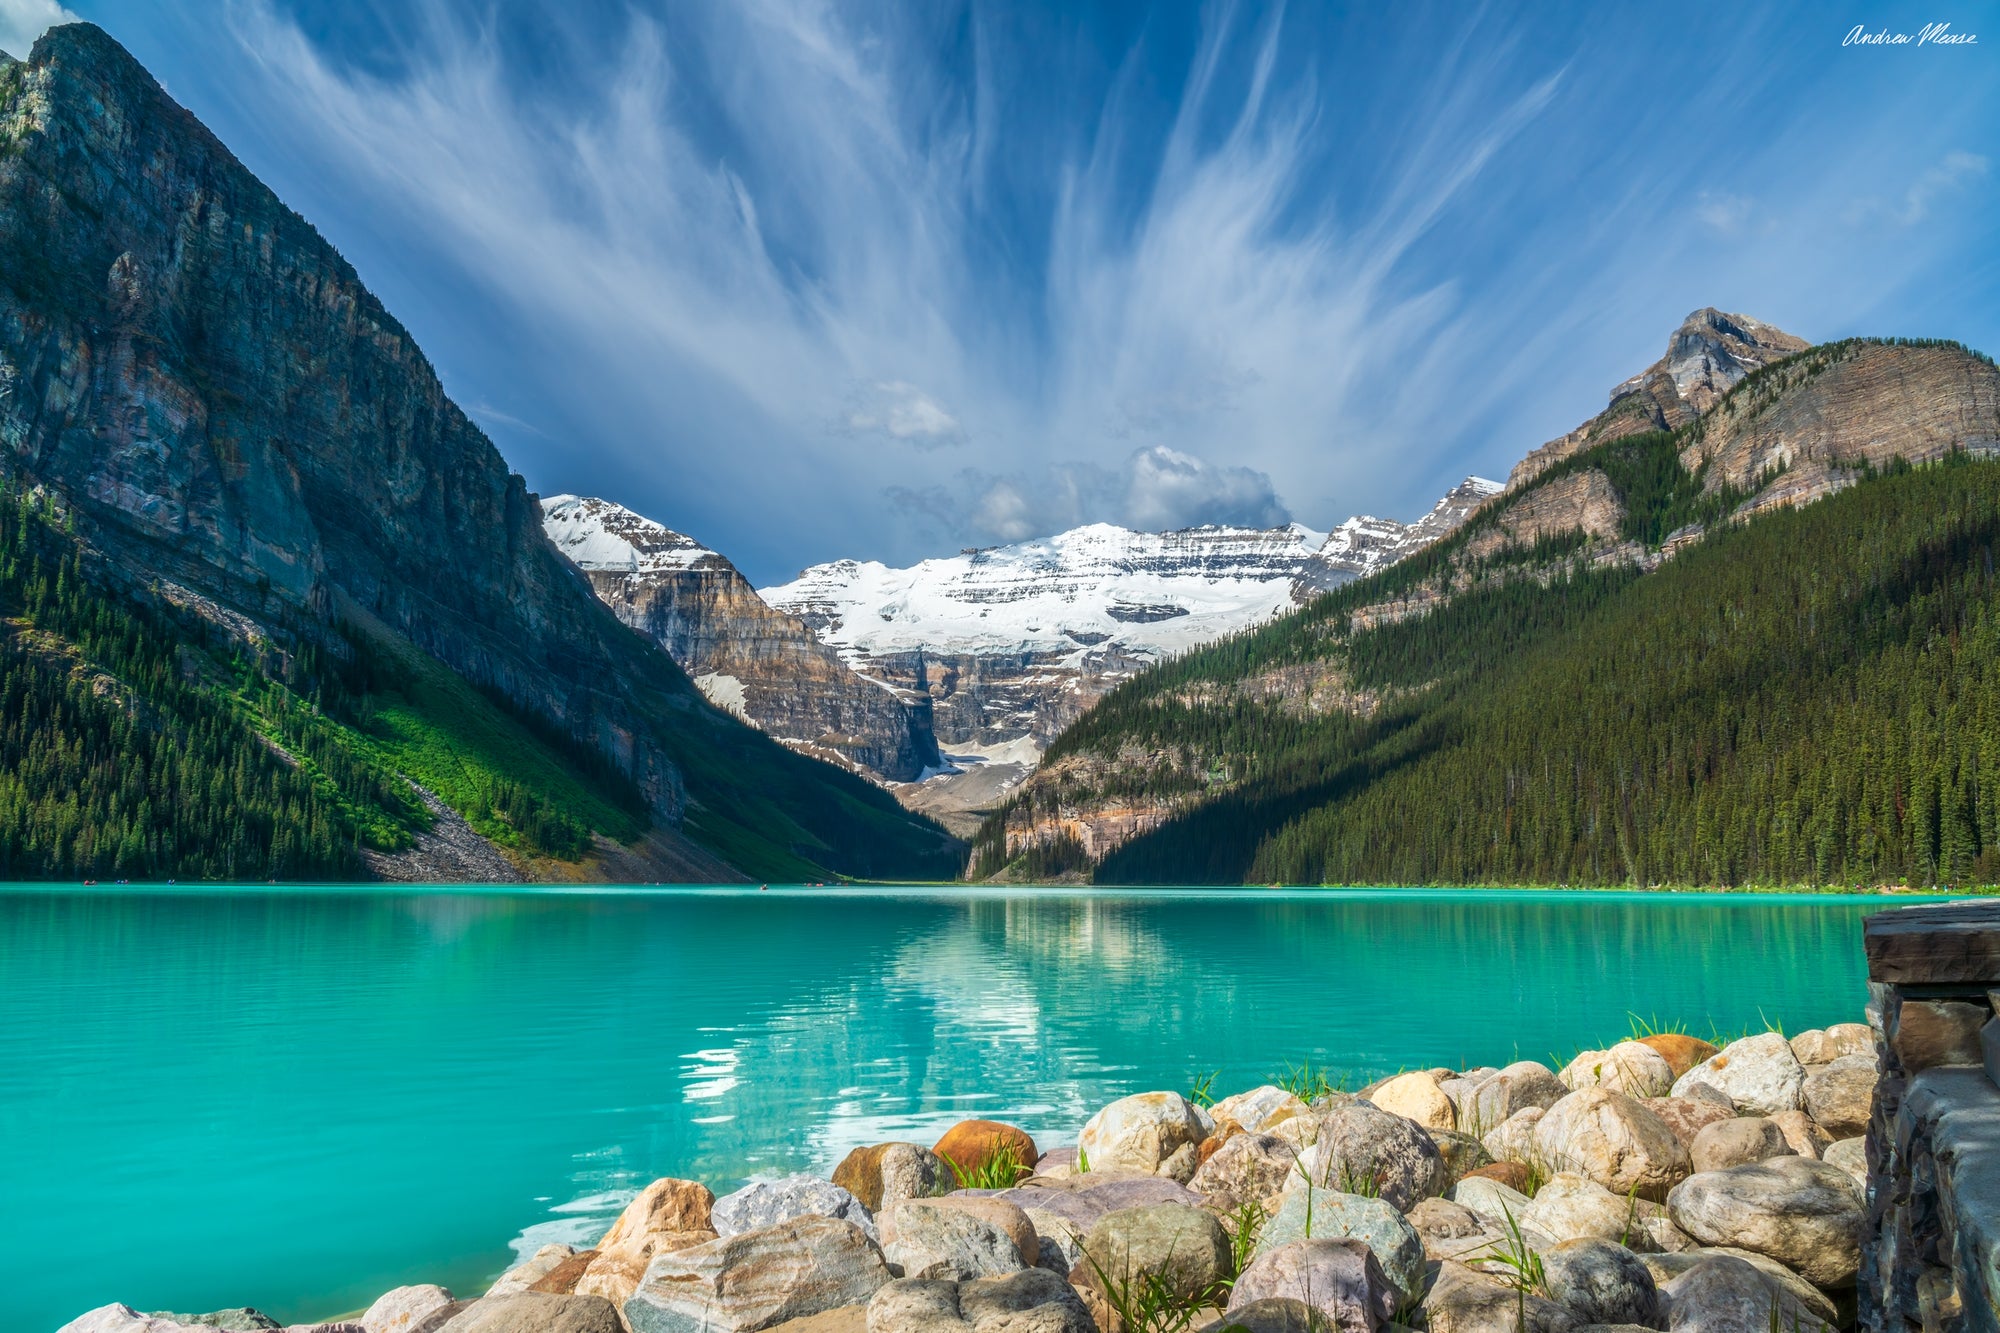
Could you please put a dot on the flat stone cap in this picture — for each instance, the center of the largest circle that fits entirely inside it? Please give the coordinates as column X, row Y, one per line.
column 1936, row 944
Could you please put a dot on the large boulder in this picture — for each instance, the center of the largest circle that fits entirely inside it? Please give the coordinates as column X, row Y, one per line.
column 668, row 1214
column 1489, row 1198
column 1573, row 1207
column 1513, row 1139
column 1249, row 1167
column 536, row 1312
column 1613, row 1140
column 1452, row 1231
column 1341, row 1279
column 1463, row 1300
column 972, row 1144
column 1841, row 1095
column 1260, row 1109
column 1725, row 1295
column 756, row 1279
column 1183, row 1249
column 1520, row 1085
column 1630, row 1067
column 1323, row 1214
column 1680, row 1051
column 765, row 1203
column 1805, row 1214
column 1153, row 1132
column 1365, row 1150
column 1666, row 1267
column 1687, row 1116
column 1030, row 1301
column 1416, row 1096
column 1759, row 1074
column 1737, row 1142
column 1601, row 1282
column 885, row 1174
column 417, row 1309
column 958, row 1238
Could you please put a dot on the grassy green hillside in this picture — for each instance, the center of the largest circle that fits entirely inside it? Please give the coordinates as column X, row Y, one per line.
column 137, row 742
column 1812, row 697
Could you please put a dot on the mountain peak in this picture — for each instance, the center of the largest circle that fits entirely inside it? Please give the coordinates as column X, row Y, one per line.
column 1706, row 357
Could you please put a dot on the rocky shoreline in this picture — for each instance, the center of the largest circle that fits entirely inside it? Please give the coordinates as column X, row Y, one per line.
column 1660, row 1183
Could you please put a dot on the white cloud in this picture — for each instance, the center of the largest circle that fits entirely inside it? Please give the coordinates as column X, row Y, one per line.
column 720, row 312
column 1152, row 489
column 902, row 411
column 22, row 21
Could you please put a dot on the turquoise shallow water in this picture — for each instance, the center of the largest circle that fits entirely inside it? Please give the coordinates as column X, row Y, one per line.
column 298, row 1099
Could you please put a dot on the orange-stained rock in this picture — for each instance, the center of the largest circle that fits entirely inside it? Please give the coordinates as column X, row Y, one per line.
column 971, row 1142
column 1511, row 1174
column 562, row 1279
column 668, row 1215
column 1681, row 1051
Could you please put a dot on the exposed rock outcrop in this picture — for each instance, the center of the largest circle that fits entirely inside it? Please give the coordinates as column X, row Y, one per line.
column 1844, row 406
column 1706, row 356
column 747, row 656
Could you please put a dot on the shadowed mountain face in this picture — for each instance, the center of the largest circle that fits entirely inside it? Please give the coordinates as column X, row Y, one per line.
column 224, row 408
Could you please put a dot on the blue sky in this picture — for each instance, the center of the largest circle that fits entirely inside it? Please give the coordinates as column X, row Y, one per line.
column 812, row 280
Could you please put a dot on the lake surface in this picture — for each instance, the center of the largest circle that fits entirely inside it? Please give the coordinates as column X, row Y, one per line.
column 299, row 1099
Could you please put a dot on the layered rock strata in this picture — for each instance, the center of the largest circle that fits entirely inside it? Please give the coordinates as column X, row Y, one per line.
column 747, row 656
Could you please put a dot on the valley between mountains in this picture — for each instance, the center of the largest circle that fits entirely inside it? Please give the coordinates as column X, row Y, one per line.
column 276, row 609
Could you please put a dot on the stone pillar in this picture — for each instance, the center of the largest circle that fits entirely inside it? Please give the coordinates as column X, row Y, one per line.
column 1930, row 1259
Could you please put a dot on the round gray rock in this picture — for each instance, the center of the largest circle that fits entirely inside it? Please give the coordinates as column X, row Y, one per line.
column 1184, row 1248
column 1339, row 1278
column 1030, row 1301
column 1719, row 1294
column 1602, row 1282
column 1805, row 1214
column 1325, row 1215
column 1737, row 1142
column 766, row 1203
column 1245, row 1168
column 1364, row 1149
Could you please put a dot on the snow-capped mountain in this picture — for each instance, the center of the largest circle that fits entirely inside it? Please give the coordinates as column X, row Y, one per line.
column 1011, row 643
column 1085, row 595
column 747, row 657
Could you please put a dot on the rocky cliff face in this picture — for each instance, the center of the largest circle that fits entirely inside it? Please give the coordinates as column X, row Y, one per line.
column 1820, row 417
column 745, row 655
column 225, row 407
column 1706, row 356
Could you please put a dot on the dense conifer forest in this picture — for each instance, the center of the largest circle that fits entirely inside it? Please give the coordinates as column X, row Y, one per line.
column 1810, row 697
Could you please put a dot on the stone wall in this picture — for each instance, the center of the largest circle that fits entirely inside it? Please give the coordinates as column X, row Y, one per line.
column 1931, row 1254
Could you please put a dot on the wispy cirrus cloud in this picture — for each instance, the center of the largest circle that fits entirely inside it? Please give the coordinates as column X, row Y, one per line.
column 814, row 279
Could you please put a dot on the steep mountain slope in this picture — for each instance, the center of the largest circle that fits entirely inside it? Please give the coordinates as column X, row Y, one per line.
column 1339, row 742
column 234, row 425
column 746, row 656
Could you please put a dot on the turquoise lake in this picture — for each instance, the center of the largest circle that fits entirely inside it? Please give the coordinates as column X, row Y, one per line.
column 298, row 1099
